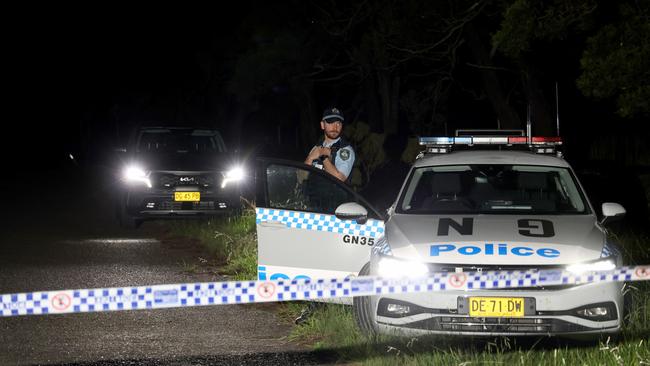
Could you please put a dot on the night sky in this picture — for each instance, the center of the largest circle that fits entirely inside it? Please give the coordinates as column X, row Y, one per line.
column 69, row 71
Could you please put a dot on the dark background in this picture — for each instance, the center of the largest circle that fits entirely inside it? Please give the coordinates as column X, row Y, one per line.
column 262, row 72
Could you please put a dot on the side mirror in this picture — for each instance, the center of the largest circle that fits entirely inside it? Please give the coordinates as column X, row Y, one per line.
column 612, row 212
column 352, row 211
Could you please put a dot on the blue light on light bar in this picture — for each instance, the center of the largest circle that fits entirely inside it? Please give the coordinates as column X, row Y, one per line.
column 463, row 140
column 436, row 140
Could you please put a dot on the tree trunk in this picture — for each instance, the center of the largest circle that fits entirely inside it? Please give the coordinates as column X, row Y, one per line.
column 388, row 100
column 372, row 104
column 394, row 107
column 308, row 127
column 507, row 116
column 383, row 82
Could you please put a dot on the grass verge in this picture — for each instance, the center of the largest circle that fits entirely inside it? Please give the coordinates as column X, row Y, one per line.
column 230, row 240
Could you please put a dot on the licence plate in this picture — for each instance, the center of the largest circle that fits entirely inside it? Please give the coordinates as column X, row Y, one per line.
column 496, row 306
column 187, row 196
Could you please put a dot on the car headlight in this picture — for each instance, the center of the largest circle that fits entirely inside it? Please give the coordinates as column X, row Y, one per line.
column 391, row 267
column 610, row 258
column 233, row 175
column 600, row 265
column 134, row 173
column 387, row 266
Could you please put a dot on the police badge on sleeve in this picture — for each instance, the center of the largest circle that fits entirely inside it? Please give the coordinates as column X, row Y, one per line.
column 345, row 154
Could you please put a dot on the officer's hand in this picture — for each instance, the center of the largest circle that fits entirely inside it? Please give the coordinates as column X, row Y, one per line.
column 326, row 151
column 314, row 154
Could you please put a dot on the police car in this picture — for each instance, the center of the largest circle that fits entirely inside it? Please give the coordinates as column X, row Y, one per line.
column 477, row 201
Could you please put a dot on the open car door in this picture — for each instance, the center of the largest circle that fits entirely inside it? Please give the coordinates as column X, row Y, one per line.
column 298, row 233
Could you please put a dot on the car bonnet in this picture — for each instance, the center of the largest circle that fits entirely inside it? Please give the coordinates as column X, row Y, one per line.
column 184, row 162
column 495, row 239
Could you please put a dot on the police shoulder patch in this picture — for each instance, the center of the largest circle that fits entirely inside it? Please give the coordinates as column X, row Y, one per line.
column 345, row 154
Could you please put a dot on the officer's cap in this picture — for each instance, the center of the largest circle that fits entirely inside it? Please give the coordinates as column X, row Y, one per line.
column 332, row 115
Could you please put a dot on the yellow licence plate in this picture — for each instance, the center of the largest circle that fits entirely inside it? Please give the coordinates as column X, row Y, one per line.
column 187, row 196
column 496, row 306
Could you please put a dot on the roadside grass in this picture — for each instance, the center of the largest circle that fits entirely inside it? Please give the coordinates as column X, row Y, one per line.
column 332, row 327
column 231, row 242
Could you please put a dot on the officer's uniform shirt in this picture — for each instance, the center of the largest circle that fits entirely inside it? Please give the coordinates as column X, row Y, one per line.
column 343, row 158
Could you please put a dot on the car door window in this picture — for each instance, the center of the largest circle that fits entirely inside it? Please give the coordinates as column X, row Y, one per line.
column 298, row 233
column 293, row 188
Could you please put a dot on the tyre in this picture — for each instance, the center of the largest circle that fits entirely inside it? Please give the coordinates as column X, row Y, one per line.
column 628, row 305
column 361, row 309
column 235, row 212
column 124, row 219
column 130, row 222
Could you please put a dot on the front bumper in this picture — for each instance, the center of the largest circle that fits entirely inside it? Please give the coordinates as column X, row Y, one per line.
column 553, row 312
column 160, row 202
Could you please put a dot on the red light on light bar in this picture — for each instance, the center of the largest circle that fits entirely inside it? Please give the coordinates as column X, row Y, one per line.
column 517, row 140
column 541, row 140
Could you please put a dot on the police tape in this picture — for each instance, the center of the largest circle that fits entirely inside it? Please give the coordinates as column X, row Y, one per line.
column 246, row 292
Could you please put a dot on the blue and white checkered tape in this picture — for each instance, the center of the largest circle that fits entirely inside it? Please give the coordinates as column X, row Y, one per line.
column 320, row 222
column 244, row 292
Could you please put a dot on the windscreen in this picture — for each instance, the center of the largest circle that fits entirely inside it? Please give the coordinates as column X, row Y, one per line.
column 180, row 141
column 493, row 189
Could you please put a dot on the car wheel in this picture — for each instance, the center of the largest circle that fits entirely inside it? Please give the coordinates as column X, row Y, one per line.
column 235, row 212
column 361, row 309
column 126, row 221
column 130, row 222
column 628, row 305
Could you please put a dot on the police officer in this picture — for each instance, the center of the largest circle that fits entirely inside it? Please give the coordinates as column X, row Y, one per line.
column 333, row 154
column 336, row 156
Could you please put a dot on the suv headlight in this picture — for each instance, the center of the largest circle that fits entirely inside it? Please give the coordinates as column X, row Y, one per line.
column 233, row 175
column 134, row 173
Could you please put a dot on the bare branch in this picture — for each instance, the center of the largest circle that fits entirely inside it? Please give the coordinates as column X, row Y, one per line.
column 335, row 78
column 488, row 67
column 459, row 24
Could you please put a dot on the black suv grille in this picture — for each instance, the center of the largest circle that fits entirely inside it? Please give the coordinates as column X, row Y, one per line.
column 178, row 206
column 176, row 180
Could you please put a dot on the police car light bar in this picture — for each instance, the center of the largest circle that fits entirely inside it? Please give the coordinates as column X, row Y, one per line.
column 538, row 144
